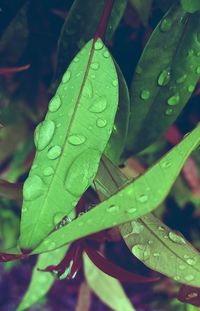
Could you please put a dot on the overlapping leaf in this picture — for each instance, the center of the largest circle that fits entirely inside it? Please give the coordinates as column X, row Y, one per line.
column 41, row 282
column 80, row 26
column 190, row 6
column 132, row 201
column 144, row 8
column 165, row 77
column 108, row 289
column 70, row 142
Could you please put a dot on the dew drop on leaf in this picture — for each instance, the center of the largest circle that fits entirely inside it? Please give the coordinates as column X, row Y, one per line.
column 76, row 59
column 143, row 198
column 99, row 105
column 191, row 88
column 176, row 238
column 139, row 69
column 115, row 83
column 164, row 77
column 98, row 45
column 198, row 70
column 113, row 209
column 131, row 210
column 106, row 54
column 145, row 94
column 54, row 152
column 101, row 123
column 48, row 171
column 88, row 89
column 181, row 79
column 173, row 100
column 169, row 111
column 95, row 66
column 55, row 103
column 142, row 252
column 66, row 77
column 43, row 134
column 165, row 164
column 191, row 261
column 189, row 277
column 33, row 188
column 136, row 227
column 76, row 140
column 165, row 25
column 156, row 254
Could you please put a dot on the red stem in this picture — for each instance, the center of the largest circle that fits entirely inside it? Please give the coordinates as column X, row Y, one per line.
column 101, row 30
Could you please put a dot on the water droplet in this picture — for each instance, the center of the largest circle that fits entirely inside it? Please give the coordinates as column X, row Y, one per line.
column 169, row 111
column 198, row 70
column 191, row 295
column 98, row 45
column 145, row 94
column 76, row 59
column 66, row 76
column 48, row 171
column 113, row 209
column 143, row 198
column 173, row 100
column 43, row 134
column 176, row 238
column 156, row 254
column 52, row 245
column 181, row 79
column 88, row 89
column 189, row 277
column 34, row 166
column 165, row 25
column 77, row 181
column 136, row 227
column 131, row 210
column 177, row 278
column 24, row 210
column 55, row 103
column 76, row 140
column 191, row 88
column 161, row 228
column 164, row 77
column 101, row 122
column 54, row 152
column 95, row 66
column 142, row 252
column 191, row 261
column 99, row 105
column 166, row 164
column 93, row 76
column 115, row 83
column 33, row 188
column 106, row 54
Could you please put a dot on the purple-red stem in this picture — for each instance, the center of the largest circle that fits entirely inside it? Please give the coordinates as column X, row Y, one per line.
column 101, row 30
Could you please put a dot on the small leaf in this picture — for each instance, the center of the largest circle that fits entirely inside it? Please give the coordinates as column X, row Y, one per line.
column 108, row 289
column 165, row 77
column 80, row 26
column 70, row 142
column 133, row 201
column 190, row 6
column 41, row 282
column 144, row 8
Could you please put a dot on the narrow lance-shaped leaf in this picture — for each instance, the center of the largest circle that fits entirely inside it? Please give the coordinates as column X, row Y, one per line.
column 165, row 77
column 41, row 282
column 80, row 25
column 144, row 8
column 152, row 242
column 70, row 142
column 108, row 289
column 131, row 202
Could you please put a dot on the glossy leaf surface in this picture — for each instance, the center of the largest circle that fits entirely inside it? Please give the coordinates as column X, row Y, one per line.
column 165, row 77
column 80, row 26
column 70, row 142
column 131, row 202
column 41, row 282
column 108, row 289
column 190, row 6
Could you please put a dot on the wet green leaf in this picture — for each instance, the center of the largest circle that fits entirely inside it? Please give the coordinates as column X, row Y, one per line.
column 165, row 77
column 108, row 289
column 144, row 9
column 134, row 200
column 41, row 282
column 190, row 6
column 70, row 142
column 80, row 26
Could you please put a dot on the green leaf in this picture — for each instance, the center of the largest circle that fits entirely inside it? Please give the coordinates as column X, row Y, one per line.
column 190, row 6
column 70, row 142
column 163, row 250
column 144, row 9
column 14, row 39
column 116, row 144
column 108, row 289
column 133, row 201
column 41, row 282
column 165, row 77
column 80, row 26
